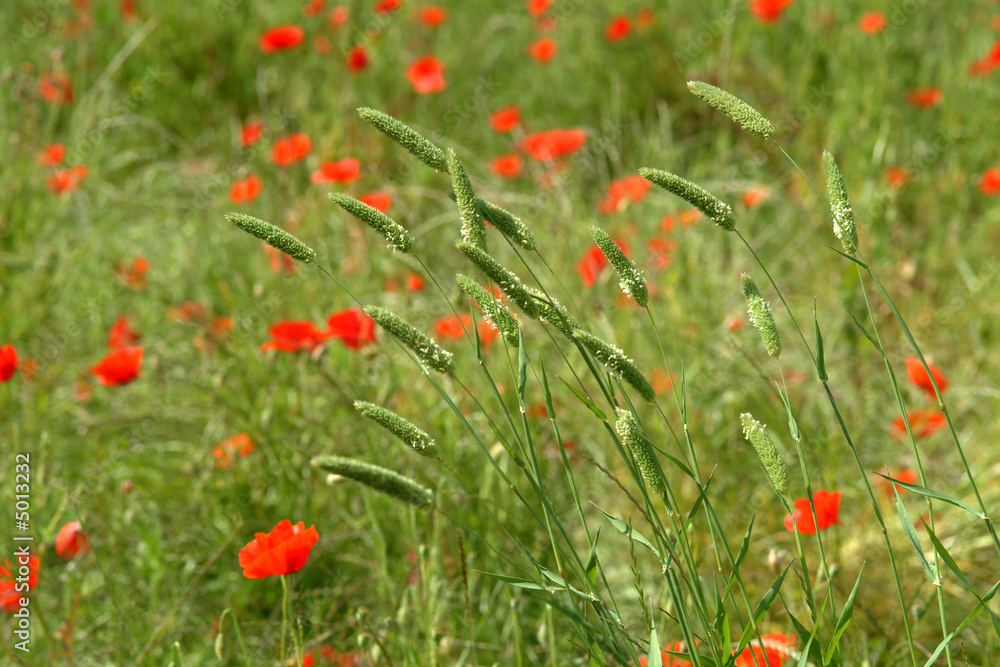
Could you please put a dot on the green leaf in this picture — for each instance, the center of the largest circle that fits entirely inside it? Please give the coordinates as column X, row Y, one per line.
column 953, row 566
column 545, row 390
column 653, row 659
column 812, row 639
column 904, row 519
column 586, row 401
column 850, row 257
column 744, row 548
column 759, row 611
column 860, row 326
column 591, row 568
column 820, row 356
column 931, row 493
column 961, row 626
column 518, row 582
column 630, row 533
column 843, row 621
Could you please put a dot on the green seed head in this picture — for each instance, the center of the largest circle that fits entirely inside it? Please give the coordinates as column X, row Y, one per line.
column 773, row 462
column 421, row 443
column 504, row 278
column 738, row 111
column 473, row 228
column 425, row 349
column 616, row 362
column 407, row 137
column 508, row 224
column 642, row 451
column 396, row 237
column 496, row 313
column 703, row 200
column 761, row 316
column 554, row 313
column 273, row 236
column 381, row 479
column 840, row 205
column 631, row 280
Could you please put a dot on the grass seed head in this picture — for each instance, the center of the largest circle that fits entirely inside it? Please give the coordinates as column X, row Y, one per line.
column 504, row 278
column 738, row 111
column 631, row 279
column 403, row 429
column 642, row 451
column 422, row 345
column 273, row 236
column 720, row 212
column 473, row 227
column 407, row 137
column 616, row 362
column 774, row 463
column 494, row 310
column 381, row 479
column 761, row 316
column 843, row 214
column 395, row 235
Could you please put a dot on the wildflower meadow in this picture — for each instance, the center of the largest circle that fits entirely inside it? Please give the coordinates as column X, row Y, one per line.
column 557, row 332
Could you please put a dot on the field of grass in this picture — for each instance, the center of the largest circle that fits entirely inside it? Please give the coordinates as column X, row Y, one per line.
column 572, row 521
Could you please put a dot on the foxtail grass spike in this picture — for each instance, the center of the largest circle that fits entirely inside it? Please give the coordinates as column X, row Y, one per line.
column 473, row 227
column 761, row 316
column 553, row 312
column 738, row 111
column 617, row 363
column 407, row 137
column 406, row 431
column 505, row 222
column 494, row 310
column 504, row 278
column 381, row 479
column 427, row 351
column 642, row 451
column 840, row 205
column 631, row 280
column 772, row 460
column 273, row 236
column 395, row 235
column 703, row 200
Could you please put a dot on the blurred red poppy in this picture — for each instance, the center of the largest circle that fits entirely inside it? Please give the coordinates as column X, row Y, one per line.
column 872, row 22
column 71, row 540
column 827, row 512
column 386, row 6
column 55, row 88
column 290, row 149
column 226, row 452
column 339, row 15
column 591, row 265
column 51, row 155
column 897, row 176
column 118, row 367
column 250, row 133
column 357, row 58
column 294, row 335
column 10, row 584
column 661, row 251
column 352, row 326
column 341, row 171
column 623, row 190
column 989, row 183
column 619, row 28
column 922, row 422
column 280, row 38
column 507, row 166
column 918, row 376
column 543, row 49
column 734, row 323
column 282, row 551
column 768, row 650
column 313, row 8
column 506, row 118
column 552, row 144
column 127, row 10
column 769, row 11
column 644, row 17
column 908, row 475
column 414, row 282
column 8, row 362
column 121, row 334
column 450, row 327
column 67, row 180
column 378, row 200
column 245, row 191
column 924, row 97
column 538, row 7
column 432, row 15
column 427, row 75
column 756, row 195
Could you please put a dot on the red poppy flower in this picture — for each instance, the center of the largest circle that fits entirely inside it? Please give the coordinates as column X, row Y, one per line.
column 188, row 310
column 228, row 450
column 294, row 335
column 552, row 144
column 661, row 250
column 427, row 75
column 734, row 323
column 386, row 6
column 67, row 180
column 827, row 511
column 872, row 22
column 432, row 15
column 250, row 133
column 619, row 28
column 414, row 282
column 543, row 49
column 450, row 327
column 135, row 275
column 989, row 184
column 769, row 650
column 506, row 118
column 51, row 155
column 908, row 475
column 10, row 596
column 342, row 171
column 538, row 7
column 381, row 201
column 313, row 8
column 8, row 362
column 769, row 11
column 924, row 97
column 127, row 9
column 591, row 265
column 644, row 17
column 339, row 15
column 245, row 191
column 290, row 149
column 622, row 190
column 279, row 261
column 71, row 540
column 897, row 176
column 507, row 166
column 990, row 61
column 667, row 659
column 918, row 376
column 55, row 88
column 689, row 216
column 352, row 326
column 357, row 59
column 121, row 334
column 922, row 422
column 118, row 367
column 282, row 551
column 280, row 38
column 754, row 196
